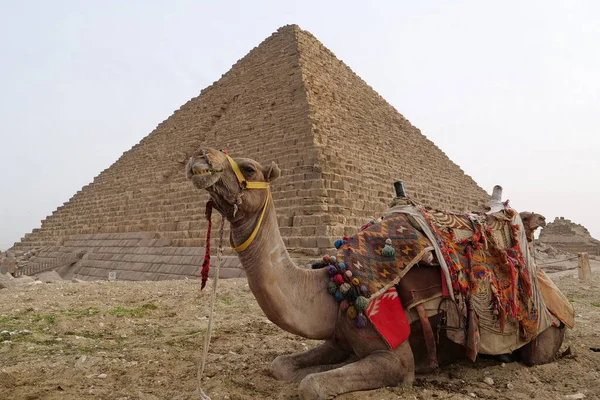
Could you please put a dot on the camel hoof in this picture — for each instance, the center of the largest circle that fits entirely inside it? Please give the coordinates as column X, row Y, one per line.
column 311, row 389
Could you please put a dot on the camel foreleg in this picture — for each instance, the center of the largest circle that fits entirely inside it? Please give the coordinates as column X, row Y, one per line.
column 294, row 367
column 380, row 368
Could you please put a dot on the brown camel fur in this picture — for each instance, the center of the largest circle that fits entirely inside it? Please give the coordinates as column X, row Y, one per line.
column 296, row 299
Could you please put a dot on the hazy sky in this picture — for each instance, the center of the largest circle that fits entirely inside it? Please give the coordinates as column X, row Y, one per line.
column 509, row 90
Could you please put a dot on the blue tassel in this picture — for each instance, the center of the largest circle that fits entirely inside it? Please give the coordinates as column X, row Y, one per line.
column 339, row 243
column 388, row 250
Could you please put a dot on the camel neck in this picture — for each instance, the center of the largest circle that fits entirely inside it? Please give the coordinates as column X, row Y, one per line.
column 293, row 298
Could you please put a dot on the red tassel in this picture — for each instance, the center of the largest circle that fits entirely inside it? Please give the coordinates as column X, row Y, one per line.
column 206, row 263
column 513, row 278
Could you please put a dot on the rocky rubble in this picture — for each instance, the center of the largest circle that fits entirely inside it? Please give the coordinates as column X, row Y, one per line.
column 7, row 281
column 12, row 260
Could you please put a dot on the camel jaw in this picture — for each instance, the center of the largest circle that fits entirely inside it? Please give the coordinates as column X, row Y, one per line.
column 203, row 175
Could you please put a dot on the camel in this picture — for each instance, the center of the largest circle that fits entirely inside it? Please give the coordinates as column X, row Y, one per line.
column 532, row 221
column 296, row 299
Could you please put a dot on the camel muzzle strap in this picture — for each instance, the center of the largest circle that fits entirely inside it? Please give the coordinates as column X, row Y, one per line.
column 248, row 185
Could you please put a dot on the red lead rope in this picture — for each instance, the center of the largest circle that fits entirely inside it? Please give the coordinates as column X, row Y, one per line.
column 206, row 263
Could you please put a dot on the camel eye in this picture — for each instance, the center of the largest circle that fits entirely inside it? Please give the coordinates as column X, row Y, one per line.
column 248, row 170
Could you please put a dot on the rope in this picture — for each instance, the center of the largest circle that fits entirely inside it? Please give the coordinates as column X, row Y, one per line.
column 559, row 261
column 206, row 262
column 203, row 395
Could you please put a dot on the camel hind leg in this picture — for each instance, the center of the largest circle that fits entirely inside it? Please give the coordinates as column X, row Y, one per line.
column 378, row 369
column 544, row 348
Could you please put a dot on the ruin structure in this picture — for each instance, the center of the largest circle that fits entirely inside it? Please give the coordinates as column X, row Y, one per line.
column 569, row 236
column 339, row 144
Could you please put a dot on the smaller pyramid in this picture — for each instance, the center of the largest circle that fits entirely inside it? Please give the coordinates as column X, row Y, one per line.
column 566, row 235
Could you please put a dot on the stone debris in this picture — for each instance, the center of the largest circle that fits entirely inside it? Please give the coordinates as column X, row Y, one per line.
column 575, row 396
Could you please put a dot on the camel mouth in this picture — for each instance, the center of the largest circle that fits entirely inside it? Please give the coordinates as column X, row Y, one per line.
column 203, row 175
column 203, row 169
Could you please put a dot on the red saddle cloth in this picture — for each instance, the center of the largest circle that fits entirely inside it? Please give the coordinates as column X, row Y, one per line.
column 388, row 317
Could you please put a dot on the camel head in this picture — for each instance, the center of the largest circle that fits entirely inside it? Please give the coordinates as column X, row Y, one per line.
column 236, row 196
column 532, row 221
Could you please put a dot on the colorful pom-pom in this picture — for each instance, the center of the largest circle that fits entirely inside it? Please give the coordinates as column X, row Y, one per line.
column 346, row 238
column 345, row 287
column 388, row 250
column 352, row 294
column 326, row 258
column 338, row 243
column 355, row 281
column 361, row 321
column 331, row 287
column 332, row 270
column 342, row 265
column 339, row 296
column 365, row 291
column 361, row 303
column 333, row 259
column 351, row 312
column 344, row 305
column 348, row 274
column 338, row 279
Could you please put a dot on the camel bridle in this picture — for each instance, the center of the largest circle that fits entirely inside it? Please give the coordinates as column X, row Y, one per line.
column 245, row 184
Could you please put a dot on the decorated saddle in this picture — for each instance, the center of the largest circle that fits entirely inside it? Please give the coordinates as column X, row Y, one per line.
column 366, row 269
column 483, row 270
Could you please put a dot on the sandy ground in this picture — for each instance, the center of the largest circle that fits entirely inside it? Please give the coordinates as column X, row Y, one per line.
column 143, row 340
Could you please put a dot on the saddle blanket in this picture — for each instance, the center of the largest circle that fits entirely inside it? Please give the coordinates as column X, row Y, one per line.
column 389, row 319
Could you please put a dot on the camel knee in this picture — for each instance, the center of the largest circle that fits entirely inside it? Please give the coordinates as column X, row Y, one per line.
column 311, row 389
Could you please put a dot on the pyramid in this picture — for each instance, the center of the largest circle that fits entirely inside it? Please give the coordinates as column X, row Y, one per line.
column 339, row 144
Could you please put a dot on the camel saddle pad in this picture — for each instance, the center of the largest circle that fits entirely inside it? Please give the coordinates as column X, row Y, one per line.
column 481, row 259
column 461, row 225
column 421, row 284
column 362, row 254
column 369, row 272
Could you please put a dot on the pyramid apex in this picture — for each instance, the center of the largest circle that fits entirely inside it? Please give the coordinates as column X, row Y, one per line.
column 289, row 27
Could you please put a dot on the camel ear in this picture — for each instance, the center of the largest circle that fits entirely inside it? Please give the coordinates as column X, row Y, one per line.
column 272, row 173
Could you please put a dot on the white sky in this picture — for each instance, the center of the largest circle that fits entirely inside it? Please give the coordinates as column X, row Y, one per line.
column 509, row 90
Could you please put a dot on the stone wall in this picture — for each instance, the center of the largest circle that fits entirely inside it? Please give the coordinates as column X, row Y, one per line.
column 568, row 236
column 339, row 144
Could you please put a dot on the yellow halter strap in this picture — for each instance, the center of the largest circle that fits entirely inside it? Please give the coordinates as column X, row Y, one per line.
column 240, row 177
column 248, row 185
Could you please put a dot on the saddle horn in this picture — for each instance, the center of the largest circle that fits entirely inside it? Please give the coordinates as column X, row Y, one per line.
column 497, row 193
column 399, row 189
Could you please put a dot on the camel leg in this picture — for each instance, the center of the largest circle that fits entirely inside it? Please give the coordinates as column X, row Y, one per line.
column 380, row 368
column 294, row 367
column 544, row 348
